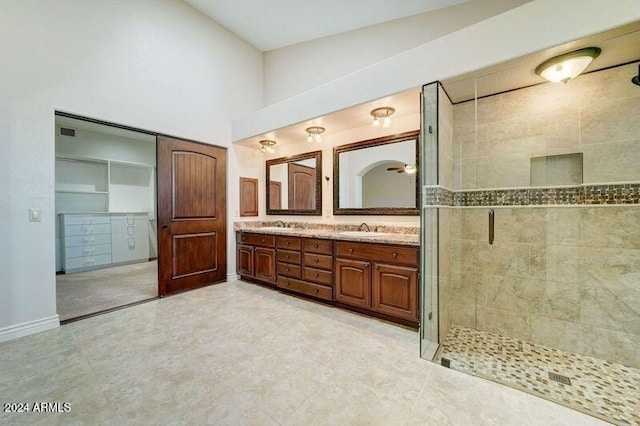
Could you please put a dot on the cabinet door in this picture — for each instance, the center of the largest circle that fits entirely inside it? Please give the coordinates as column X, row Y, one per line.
column 353, row 282
column 265, row 264
column 395, row 291
column 245, row 260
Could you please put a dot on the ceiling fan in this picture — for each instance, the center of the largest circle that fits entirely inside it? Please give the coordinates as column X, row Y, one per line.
column 407, row 168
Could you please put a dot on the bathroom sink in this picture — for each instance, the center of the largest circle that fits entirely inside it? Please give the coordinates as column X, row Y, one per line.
column 361, row 234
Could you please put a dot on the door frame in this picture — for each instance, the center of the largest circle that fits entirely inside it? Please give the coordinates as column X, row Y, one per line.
column 59, row 113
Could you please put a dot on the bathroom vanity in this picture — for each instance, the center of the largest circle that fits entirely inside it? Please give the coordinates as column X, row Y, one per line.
column 375, row 274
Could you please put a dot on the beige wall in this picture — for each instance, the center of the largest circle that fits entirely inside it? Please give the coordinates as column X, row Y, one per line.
column 565, row 277
column 597, row 114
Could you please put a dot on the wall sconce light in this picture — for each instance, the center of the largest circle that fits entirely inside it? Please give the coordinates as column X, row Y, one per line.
column 382, row 114
column 313, row 133
column 568, row 65
column 267, row 146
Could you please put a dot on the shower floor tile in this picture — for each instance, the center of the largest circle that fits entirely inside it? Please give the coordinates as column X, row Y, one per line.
column 603, row 389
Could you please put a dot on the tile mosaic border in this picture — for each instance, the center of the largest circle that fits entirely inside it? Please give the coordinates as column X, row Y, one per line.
column 607, row 194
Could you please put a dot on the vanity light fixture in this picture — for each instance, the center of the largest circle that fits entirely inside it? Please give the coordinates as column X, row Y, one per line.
column 568, row 65
column 313, row 133
column 267, row 146
column 384, row 114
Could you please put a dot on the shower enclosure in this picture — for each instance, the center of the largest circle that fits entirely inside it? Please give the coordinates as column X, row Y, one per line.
column 531, row 239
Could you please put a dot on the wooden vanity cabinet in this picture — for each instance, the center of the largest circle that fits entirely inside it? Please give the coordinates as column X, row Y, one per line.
column 305, row 266
column 377, row 277
column 256, row 257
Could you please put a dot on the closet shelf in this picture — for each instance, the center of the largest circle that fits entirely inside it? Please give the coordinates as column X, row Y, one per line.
column 71, row 191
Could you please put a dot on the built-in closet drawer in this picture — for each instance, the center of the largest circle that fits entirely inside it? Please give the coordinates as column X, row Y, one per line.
column 318, row 261
column 88, row 250
column 88, row 229
column 129, row 237
column 89, row 239
column 319, row 291
column 86, row 219
column 87, row 261
column 289, row 270
column 318, row 276
column 315, row 245
column 289, row 256
column 288, row 243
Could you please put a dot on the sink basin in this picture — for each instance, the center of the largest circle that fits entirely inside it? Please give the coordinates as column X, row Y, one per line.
column 361, row 234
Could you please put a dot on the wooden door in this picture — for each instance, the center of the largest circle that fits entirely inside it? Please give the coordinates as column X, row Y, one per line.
column 248, row 197
column 395, row 290
column 275, row 195
column 265, row 264
column 302, row 187
column 244, row 258
column 192, row 219
column 353, row 282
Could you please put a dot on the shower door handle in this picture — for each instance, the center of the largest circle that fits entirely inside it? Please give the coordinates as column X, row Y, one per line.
column 492, row 215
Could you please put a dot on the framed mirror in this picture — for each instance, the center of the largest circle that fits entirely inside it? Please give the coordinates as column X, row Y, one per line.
column 294, row 185
column 377, row 176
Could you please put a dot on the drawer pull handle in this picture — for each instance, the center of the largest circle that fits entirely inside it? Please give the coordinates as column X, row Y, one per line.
column 394, row 255
column 317, row 260
column 316, row 245
column 243, row 238
column 288, row 269
column 286, row 243
column 289, row 284
column 288, row 256
column 315, row 291
column 377, row 266
column 351, row 250
column 317, row 275
column 262, row 240
column 366, row 266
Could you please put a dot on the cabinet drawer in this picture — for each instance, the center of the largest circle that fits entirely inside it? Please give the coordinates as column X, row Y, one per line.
column 127, row 249
column 378, row 252
column 87, row 261
column 289, row 270
column 315, row 290
column 85, row 219
column 289, row 243
column 318, row 276
column 258, row 239
column 288, row 256
column 318, row 261
column 94, row 229
column 91, row 240
column 315, row 245
column 87, row 250
column 123, row 227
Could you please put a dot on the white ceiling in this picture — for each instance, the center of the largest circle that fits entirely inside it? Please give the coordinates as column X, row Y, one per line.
column 619, row 46
column 272, row 24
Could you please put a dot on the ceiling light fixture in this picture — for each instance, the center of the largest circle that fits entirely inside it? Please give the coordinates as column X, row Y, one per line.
column 383, row 113
column 267, row 146
column 313, row 133
column 567, row 66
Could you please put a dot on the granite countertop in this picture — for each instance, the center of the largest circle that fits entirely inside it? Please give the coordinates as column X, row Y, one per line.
column 399, row 235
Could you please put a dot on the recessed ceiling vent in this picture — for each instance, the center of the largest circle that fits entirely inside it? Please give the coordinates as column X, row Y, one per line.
column 65, row 131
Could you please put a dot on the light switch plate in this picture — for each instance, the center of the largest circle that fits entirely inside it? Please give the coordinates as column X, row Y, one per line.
column 35, row 215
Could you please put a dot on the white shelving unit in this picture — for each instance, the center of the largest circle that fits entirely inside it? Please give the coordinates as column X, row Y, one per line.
column 98, row 185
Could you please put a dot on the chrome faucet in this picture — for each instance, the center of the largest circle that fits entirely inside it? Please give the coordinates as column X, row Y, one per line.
column 280, row 224
column 362, row 226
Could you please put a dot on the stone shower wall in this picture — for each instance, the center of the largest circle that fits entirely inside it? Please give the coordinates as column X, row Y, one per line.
column 567, row 273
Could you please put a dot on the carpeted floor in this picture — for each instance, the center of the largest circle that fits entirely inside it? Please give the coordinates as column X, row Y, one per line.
column 93, row 291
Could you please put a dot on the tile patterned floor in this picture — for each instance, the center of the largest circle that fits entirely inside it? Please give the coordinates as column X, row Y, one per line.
column 87, row 292
column 239, row 354
column 607, row 390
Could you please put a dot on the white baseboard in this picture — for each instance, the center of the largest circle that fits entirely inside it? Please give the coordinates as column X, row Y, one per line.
column 232, row 276
column 27, row 328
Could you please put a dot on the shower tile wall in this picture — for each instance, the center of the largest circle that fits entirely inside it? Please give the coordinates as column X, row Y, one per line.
column 565, row 277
